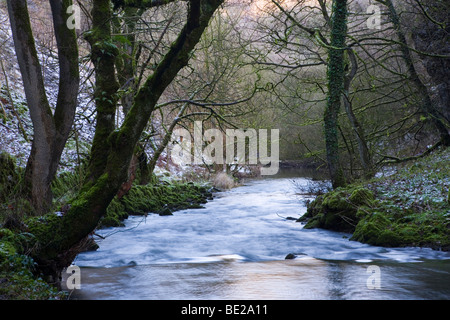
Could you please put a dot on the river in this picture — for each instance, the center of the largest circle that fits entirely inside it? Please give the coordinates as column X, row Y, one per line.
column 235, row 248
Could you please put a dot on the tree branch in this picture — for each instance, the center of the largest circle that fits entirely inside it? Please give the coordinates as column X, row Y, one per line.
column 199, row 15
column 142, row 4
column 314, row 33
column 395, row 160
column 69, row 74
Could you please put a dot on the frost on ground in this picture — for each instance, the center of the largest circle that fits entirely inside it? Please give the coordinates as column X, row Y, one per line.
column 14, row 113
column 408, row 208
column 421, row 184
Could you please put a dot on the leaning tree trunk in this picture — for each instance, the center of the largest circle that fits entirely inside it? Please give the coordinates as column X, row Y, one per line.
column 103, row 57
column 363, row 150
column 335, row 75
column 58, row 250
column 51, row 131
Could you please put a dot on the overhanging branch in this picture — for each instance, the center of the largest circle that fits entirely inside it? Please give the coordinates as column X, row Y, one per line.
column 142, row 4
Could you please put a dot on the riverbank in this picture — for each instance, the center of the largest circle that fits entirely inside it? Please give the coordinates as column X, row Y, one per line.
column 407, row 206
column 19, row 279
column 161, row 198
column 235, row 248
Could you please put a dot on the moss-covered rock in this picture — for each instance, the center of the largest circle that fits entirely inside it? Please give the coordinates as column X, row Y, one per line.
column 409, row 208
column 9, row 176
column 337, row 201
column 370, row 228
column 162, row 199
column 337, row 210
column 361, row 196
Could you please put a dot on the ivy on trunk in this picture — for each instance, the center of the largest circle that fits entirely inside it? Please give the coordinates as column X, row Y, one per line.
column 335, row 75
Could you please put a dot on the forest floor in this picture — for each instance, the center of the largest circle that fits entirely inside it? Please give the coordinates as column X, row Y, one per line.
column 410, row 206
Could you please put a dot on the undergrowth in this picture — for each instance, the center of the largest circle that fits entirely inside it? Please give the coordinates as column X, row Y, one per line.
column 408, row 208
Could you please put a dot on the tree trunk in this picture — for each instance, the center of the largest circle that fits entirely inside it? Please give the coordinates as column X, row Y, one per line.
column 127, row 77
column 364, row 153
column 50, row 131
column 126, row 63
column 103, row 56
column 57, row 252
column 335, row 75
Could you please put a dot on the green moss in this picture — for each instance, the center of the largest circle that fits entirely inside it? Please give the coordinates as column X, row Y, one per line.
column 338, row 210
column 368, row 229
column 114, row 214
column 361, row 196
column 18, row 280
column 367, row 232
column 46, row 229
column 6, row 249
column 409, row 208
column 337, row 200
column 6, row 234
column 389, row 238
column 383, row 228
column 10, row 177
column 13, row 204
column 160, row 199
column 314, row 222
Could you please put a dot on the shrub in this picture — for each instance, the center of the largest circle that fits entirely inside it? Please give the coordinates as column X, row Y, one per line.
column 223, row 181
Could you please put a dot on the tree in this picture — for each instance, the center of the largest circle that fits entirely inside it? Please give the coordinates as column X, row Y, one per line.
column 112, row 148
column 336, row 76
column 51, row 129
column 389, row 101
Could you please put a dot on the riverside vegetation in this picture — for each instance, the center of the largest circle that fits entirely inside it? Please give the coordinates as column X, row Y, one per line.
column 21, row 231
column 140, row 69
column 410, row 207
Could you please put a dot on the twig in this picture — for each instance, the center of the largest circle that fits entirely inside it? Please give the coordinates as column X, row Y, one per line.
column 286, row 218
column 395, row 160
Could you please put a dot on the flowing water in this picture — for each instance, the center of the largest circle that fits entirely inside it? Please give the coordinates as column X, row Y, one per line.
column 235, row 248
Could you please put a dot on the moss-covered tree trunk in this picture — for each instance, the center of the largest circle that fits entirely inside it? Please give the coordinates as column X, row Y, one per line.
column 127, row 62
column 335, row 75
column 50, row 129
column 57, row 251
column 128, row 77
column 363, row 150
column 103, row 57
